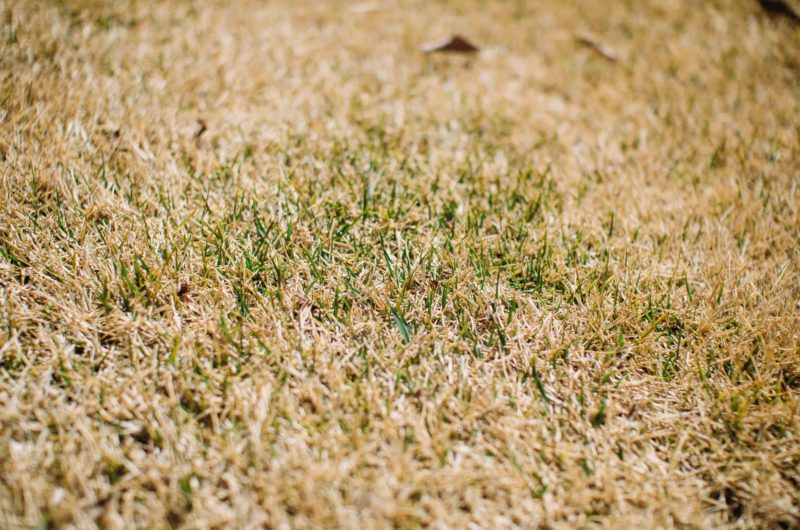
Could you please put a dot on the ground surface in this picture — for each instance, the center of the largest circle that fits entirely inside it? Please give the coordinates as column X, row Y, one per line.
column 267, row 264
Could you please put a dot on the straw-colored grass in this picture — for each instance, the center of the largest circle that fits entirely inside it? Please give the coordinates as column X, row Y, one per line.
column 266, row 264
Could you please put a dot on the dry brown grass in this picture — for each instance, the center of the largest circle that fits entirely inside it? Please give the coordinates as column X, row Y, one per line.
column 533, row 288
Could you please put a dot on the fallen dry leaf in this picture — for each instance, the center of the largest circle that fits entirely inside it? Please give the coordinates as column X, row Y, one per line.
column 455, row 44
column 598, row 47
column 202, row 127
column 779, row 8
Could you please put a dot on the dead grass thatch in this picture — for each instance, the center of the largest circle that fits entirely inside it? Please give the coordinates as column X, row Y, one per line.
column 266, row 264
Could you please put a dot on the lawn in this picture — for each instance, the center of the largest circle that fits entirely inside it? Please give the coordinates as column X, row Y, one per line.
column 268, row 264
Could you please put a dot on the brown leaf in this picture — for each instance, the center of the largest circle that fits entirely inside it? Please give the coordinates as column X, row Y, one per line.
column 779, row 8
column 201, row 129
column 599, row 48
column 455, row 44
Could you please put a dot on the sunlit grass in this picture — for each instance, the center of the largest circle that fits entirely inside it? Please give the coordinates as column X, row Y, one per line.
column 268, row 264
